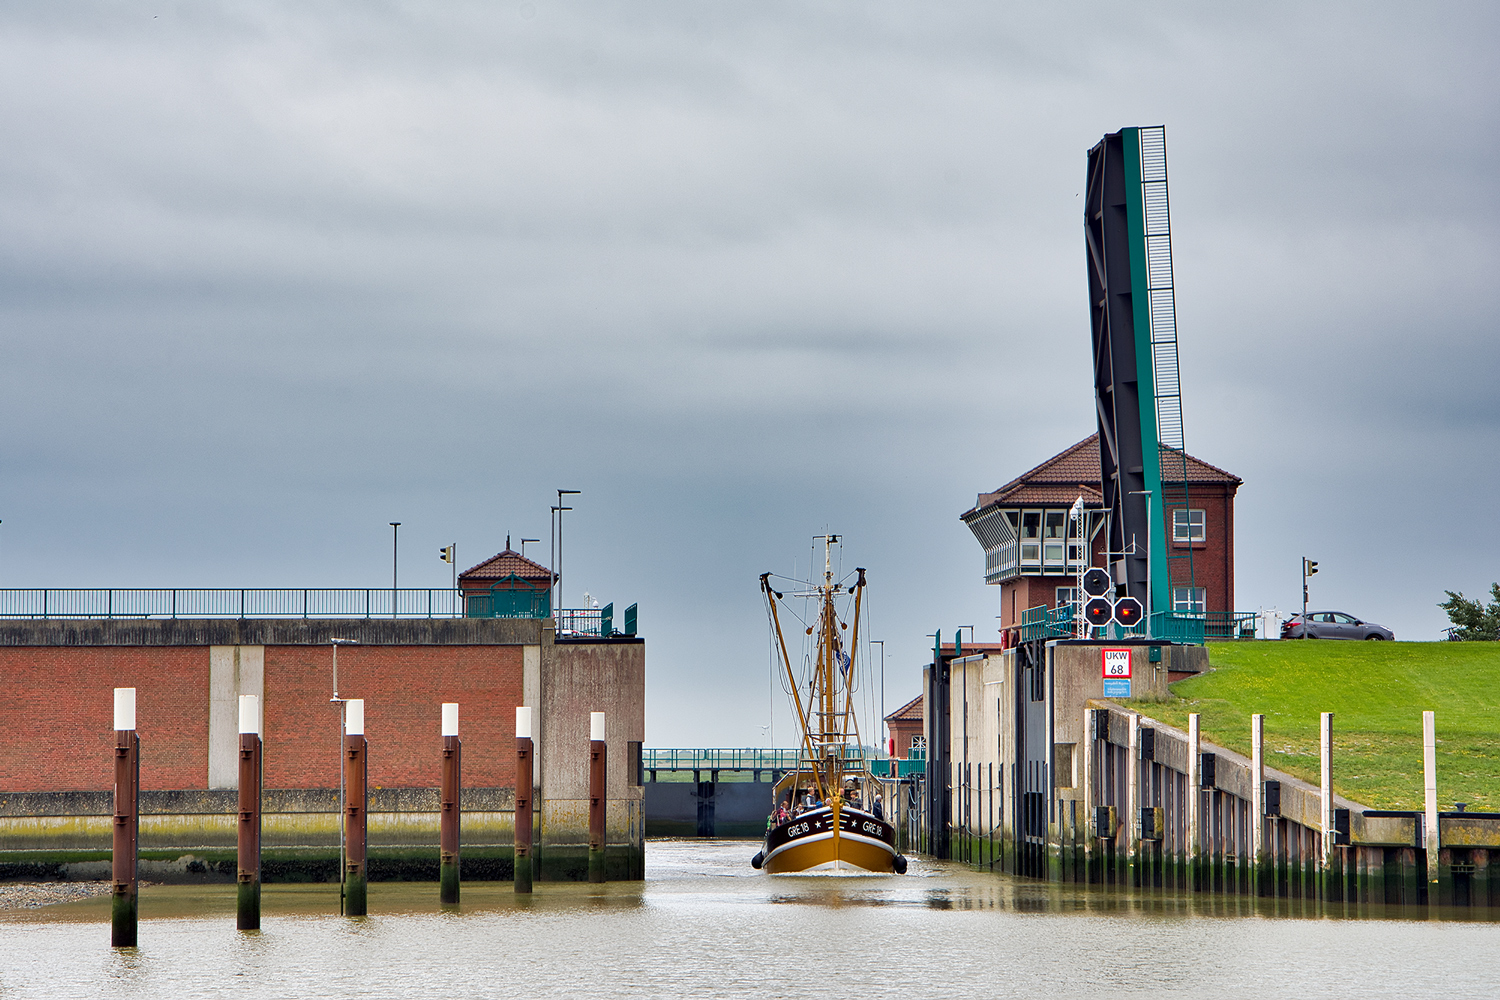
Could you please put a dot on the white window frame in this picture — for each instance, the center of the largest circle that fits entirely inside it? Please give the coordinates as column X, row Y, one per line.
column 1190, row 600
column 1189, row 526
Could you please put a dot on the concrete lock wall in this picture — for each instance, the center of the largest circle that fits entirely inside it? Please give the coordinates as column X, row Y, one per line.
column 1105, row 764
column 708, row 808
column 56, row 756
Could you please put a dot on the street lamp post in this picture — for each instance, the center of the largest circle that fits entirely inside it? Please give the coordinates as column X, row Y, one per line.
column 560, row 509
column 1150, row 580
column 885, row 737
column 395, row 534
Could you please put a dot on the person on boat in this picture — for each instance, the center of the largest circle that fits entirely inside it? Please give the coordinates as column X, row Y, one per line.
column 876, row 810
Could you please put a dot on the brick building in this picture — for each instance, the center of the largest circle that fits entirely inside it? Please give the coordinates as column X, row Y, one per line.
column 1032, row 552
column 905, row 725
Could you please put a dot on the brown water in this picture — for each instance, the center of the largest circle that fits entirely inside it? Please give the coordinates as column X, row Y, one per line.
column 705, row 924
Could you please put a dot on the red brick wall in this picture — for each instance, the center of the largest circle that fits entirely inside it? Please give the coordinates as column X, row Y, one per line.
column 58, row 709
column 1213, row 560
column 403, row 688
column 902, row 730
column 56, row 728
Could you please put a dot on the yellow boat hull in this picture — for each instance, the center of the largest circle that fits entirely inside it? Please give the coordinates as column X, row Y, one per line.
column 828, row 841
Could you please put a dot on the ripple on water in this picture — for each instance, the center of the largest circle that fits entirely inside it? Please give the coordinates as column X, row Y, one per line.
column 705, row 924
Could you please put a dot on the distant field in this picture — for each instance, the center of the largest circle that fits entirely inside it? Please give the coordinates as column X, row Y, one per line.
column 1377, row 692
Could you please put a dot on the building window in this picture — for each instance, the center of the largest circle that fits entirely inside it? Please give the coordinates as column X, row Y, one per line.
column 1188, row 525
column 918, row 749
column 1031, row 533
column 1189, row 600
column 1066, row 596
column 1056, row 528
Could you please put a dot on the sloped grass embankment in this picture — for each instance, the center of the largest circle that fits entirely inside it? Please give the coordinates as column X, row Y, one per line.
column 1377, row 692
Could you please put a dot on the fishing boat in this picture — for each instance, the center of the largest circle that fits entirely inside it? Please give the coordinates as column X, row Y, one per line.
column 828, row 816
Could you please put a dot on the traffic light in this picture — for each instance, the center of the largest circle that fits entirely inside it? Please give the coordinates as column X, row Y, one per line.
column 1098, row 611
column 446, row 552
column 1309, row 566
column 1128, row 612
column 1096, row 583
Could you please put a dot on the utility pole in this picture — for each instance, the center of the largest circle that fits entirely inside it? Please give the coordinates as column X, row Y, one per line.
column 395, row 534
column 560, row 510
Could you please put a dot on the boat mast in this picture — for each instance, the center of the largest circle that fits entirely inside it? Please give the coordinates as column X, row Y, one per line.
column 831, row 737
column 771, row 598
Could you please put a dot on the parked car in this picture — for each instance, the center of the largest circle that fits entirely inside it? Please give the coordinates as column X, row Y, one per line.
column 1334, row 625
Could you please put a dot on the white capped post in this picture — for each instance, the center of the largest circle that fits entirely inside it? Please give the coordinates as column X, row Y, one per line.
column 1258, row 788
column 124, row 709
column 1430, row 840
column 1194, row 807
column 523, row 722
column 249, row 715
column 450, row 718
column 354, row 717
column 596, row 725
column 1325, row 725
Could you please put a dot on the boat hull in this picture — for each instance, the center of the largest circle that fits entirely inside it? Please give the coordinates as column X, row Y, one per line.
column 820, row 841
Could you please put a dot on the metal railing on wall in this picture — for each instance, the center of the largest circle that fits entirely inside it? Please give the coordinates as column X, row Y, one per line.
column 1042, row 622
column 732, row 759
column 224, row 602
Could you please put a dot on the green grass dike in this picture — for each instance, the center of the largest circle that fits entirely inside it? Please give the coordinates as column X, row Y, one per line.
column 1377, row 692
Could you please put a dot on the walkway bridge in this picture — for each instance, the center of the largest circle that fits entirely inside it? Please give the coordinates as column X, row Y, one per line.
column 725, row 792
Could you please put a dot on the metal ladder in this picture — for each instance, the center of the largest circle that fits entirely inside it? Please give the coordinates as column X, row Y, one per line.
column 1168, row 384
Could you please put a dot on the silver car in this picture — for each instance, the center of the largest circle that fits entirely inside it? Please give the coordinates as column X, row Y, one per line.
column 1334, row 625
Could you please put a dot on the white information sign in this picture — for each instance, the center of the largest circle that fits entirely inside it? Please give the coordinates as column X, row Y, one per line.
column 1116, row 663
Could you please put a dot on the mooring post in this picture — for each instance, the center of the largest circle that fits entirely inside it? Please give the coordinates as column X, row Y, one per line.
column 127, row 821
column 1430, row 839
column 451, row 810
column 522, row 863
column 1260, row 870
column 598, row 790
column 1090, row 874
column 356, row 794
column 1327, row 869
column 1194, row 809
column 1133, row 804
column 248, row 910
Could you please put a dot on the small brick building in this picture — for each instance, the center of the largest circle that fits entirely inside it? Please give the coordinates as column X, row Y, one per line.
column 1032, row 554
column 905, row 725
column 507, row 585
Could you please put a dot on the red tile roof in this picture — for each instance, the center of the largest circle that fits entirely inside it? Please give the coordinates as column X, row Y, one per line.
column 505, row 564
column 1066, row 475
column 911, row 710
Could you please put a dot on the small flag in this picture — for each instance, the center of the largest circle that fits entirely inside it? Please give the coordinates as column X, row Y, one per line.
column 843, row 660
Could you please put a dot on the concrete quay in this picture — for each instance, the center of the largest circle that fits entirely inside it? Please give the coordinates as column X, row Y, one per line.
column 1036, row 773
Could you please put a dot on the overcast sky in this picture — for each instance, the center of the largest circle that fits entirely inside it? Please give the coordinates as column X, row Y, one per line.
column 274, row 275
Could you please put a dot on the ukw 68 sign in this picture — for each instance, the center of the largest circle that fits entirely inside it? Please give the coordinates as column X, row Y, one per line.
column 1116, row 670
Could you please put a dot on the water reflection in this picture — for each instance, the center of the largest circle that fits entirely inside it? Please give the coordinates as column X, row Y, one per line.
column 706, row 924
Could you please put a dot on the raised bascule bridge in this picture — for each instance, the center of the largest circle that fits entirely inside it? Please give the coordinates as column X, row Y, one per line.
column 1114, row 561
